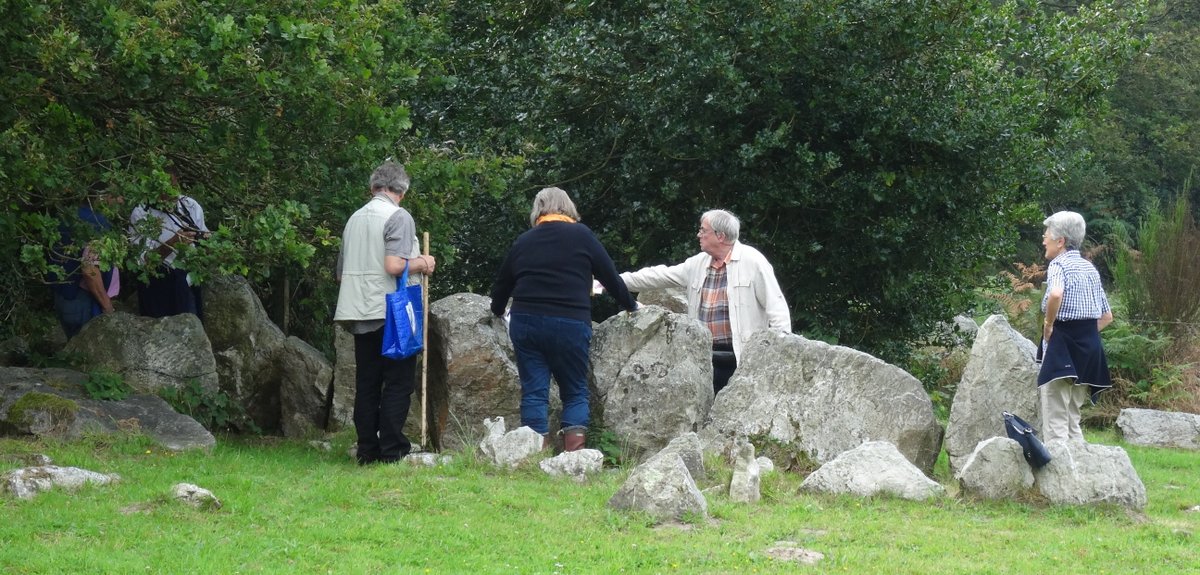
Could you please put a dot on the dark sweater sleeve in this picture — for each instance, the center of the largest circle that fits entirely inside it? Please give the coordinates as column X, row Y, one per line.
column 503, row 286
column 606, row 271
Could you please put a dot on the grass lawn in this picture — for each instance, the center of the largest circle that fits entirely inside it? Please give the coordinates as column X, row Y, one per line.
column 290, row 508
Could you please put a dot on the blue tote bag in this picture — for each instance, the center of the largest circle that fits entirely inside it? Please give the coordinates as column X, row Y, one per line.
column 404, row 324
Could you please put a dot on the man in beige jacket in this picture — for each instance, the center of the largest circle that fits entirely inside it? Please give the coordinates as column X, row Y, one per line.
column 378, row 243
column 731, row 288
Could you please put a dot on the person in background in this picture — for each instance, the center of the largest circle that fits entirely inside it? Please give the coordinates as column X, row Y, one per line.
column 180, row 221
column 1074, row 367
column 548, row 273
column 730, row 287
column 379, row 240
column 83, row 291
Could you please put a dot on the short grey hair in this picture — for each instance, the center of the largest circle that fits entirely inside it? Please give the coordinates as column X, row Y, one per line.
column 390, row 176
column 724, row 223
column 1067, row 225
column 552, row 201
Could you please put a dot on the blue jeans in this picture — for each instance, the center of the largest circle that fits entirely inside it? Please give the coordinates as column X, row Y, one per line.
column 73, row 313
column 545, row 346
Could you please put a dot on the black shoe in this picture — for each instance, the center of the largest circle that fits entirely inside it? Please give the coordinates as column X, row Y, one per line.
column 367, row 459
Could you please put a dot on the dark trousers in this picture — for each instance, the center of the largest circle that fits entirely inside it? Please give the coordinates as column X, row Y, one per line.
column 383, row 394
column 724, row 364
column 169, row 294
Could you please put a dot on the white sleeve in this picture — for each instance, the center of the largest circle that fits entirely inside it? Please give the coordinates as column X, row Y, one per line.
column 657, row 277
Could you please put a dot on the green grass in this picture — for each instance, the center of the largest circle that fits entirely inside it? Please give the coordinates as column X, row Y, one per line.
column 288, row 508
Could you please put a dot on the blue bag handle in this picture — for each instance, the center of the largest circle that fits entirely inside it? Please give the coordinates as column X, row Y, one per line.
column 402, row 279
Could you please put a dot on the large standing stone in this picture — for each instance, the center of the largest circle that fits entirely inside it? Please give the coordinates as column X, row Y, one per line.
column 1000, row 376
column 652, row 374
column 304, row 377
column 822, row 400
column 1083, row 474
column 244, row 341
column 281, row 382
column 872, row 468
column 1160, row 428
column 472, row 373
column 150, row 354
column 995, row 470
column 341, row 409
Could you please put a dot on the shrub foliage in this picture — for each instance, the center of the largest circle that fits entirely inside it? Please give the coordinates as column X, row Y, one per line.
column 878, row 152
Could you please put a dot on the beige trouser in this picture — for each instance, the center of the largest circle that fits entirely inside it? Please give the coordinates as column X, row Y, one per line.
column 1061, row 401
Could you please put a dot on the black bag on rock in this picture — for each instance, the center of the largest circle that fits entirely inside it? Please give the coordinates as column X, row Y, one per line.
column 1020, row 431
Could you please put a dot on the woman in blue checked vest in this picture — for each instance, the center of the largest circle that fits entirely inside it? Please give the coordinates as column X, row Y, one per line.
column 1074, row 368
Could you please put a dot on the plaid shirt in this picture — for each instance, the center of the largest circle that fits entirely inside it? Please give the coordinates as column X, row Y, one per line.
column 1083, row 296
column 714, row 304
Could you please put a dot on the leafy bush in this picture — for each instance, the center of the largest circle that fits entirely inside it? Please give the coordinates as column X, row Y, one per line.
column 1149, row 369
column 108, row 385
column 1163, row 386
column 215, row 411
column 236, row 99
column 878, row 152
column 1160, row 280
column 1133, row 354
column 1151, row 346
column 939, row 370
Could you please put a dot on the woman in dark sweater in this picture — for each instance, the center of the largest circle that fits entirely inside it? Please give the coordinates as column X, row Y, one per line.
column 548, row 274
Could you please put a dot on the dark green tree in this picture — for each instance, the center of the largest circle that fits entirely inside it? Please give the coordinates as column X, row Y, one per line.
column 272, row 113
column 1144, row 150
column 878, row 152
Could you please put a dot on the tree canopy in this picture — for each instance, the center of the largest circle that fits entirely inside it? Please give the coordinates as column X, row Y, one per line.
column 1143, row 152
column 878, row 152
column 272, row 114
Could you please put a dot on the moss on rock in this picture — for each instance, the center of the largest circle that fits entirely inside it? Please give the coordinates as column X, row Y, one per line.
column 25, row 411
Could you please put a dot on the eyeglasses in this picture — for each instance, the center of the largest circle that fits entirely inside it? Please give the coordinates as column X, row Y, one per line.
column 704, row 232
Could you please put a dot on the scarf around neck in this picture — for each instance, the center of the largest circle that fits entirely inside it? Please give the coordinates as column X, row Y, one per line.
column 554, row 218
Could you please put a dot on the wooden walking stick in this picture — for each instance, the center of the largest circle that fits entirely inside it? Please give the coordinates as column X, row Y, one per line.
column 425, row 352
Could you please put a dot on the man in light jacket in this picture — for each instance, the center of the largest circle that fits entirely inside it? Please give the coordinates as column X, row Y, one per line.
column 379, row 240
column 731, row 288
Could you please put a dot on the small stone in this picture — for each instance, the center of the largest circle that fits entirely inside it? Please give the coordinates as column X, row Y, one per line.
column 789, row 551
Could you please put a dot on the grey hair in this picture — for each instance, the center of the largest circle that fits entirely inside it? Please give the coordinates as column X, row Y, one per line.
column 390, row 176
column 724, row 223
column 552, row 201
column 1067, row 225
